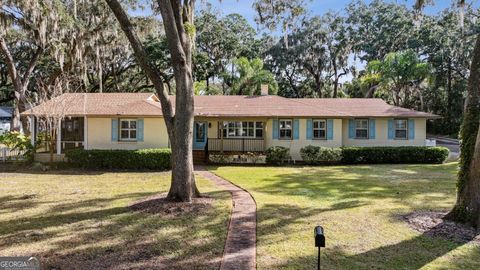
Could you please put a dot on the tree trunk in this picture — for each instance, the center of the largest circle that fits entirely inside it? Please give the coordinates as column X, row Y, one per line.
column 20, row 85
column 335, row 85
column 467, row 207
column 180, row 127
column 318, row 86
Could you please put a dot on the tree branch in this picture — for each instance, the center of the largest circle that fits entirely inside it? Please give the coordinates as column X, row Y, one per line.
column 31, row 67
column 143, row 60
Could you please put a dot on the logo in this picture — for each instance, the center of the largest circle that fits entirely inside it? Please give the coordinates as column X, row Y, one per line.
column 19, row 263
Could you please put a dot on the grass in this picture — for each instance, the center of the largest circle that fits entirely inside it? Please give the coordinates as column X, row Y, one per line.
column 81, row 220
column 361, row 209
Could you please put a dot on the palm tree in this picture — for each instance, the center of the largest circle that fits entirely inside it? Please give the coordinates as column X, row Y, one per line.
column 251, row 76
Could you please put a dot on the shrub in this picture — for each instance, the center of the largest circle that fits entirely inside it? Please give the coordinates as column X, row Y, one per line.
column 18, row 141
column 406, row 154
column 315, row 155
column 147, row 159
column 277, row 154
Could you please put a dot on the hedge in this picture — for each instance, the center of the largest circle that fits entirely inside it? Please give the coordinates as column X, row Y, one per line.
column 389, row 155
column 147, row 159
column 277, row 154
column 315, row 155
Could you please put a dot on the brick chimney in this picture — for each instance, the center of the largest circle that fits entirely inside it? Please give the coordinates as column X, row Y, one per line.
column 264, row 90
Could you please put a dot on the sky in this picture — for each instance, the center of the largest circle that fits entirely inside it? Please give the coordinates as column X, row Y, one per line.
column 315, row 7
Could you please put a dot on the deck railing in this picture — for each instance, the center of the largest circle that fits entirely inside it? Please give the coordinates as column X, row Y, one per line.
column 236, row 145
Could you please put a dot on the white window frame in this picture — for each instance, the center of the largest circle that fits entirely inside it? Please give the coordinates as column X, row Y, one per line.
column 405, row 129
column 357, row 128
column 129, row 129
column 319, row 129
column 286, row 129
column 231, row 128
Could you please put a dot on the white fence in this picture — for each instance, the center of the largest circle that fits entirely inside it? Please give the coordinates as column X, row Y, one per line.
column 7, row 154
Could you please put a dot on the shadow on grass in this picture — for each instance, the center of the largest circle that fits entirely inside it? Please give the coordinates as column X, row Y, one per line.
column 346, row 187
column 409, row 254
column 413, row 253
column 364, row 183
column 92, row 234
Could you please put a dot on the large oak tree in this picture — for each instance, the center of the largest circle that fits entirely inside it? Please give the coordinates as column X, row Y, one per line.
column 178, row 24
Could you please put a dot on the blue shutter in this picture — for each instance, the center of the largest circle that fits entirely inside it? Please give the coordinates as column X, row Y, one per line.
column 309, row 129
column 296, row 129
column 275, row 129
column 330, row 129
column 391, row 130
column 372, row 129
column 114, row 129
column 140, row 130
column 351, row 128
column 411, row 129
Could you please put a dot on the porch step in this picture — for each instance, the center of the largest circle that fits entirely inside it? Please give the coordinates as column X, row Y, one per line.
column 199, row 157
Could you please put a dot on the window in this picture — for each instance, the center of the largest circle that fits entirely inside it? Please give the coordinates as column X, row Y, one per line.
column 285, row 128
column 319, row 129
column 401, row 129
column 128, row 130
column 361, row 128
column 258, row 129
column 244, row 129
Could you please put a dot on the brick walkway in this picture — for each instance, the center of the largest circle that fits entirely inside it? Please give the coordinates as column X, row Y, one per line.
column 240, row 247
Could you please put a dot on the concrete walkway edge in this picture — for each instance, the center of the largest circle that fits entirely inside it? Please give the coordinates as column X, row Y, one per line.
column 240, row 246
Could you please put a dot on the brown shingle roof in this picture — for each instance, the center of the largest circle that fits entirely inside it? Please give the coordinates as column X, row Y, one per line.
column 78, row 104
column 146, row 104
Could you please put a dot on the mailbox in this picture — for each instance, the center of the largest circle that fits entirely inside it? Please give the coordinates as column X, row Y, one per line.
column 319, row 237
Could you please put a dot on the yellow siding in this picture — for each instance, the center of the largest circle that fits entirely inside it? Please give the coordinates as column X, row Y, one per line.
column 155, row 135
column 296, row 145
column 381, row 135
column 99, row 135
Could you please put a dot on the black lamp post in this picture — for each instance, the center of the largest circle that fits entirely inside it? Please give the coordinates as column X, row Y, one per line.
column 319, row 241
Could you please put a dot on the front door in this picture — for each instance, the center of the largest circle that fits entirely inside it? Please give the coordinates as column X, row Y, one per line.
column 199, row 135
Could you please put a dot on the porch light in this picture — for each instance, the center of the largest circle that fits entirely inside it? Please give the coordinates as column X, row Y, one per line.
column 319, row 241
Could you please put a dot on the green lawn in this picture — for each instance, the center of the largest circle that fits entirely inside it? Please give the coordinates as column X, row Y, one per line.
column 79, row 220
column 361, row 209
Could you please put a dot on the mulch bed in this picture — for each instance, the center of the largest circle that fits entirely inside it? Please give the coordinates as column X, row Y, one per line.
column 158, row 204
column 431, row 223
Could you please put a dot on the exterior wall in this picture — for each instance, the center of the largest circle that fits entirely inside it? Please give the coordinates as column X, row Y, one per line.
column 381, row 135
column 99, row 135
column 155, row 135
column 296, row 145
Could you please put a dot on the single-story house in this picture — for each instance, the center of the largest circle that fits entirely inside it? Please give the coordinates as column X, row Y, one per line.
column 5, row 119
column 232, row 124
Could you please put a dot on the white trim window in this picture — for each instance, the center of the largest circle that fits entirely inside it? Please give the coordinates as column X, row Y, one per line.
column 361, row 128
column 319, row 129
column 285, row 128
column 258, row 129
column 401, row 129
column 241, row 129
column 128, row 129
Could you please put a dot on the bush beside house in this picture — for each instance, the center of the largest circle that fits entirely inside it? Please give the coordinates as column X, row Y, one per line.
column 314, row 155
column 277, row 155
column 392, row 155
column 147, row 159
